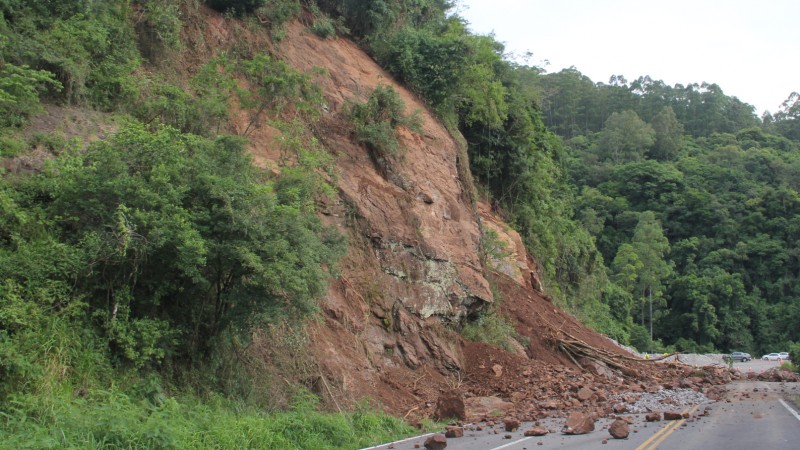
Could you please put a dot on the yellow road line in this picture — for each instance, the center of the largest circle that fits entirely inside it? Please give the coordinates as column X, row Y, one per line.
column 653, row 442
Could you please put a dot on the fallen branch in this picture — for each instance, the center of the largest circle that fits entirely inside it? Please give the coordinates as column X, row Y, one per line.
column 409, row 411
column 569, row 354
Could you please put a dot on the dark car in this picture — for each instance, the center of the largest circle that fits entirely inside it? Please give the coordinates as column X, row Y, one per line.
column 738, row 356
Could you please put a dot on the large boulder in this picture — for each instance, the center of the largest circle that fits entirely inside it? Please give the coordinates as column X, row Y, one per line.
column 479, row 407
column 619, row 429
column 578, row 423
column 436, row 442
column 450, row 406
column 453, row 432
column 654, row 416
column 537, row 431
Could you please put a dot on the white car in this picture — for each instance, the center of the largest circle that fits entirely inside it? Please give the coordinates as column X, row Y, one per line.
column 784, row 355
column 771, row 357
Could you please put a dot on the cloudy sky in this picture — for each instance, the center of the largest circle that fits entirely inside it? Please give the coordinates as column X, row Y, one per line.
column 751, row 49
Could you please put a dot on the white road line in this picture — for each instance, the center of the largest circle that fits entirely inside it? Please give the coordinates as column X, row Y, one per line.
column 398, row 442
column 785, row 405
column 511, row 443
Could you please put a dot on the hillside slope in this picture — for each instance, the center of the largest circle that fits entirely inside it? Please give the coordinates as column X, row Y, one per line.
column 413, row 273
column 416, row 270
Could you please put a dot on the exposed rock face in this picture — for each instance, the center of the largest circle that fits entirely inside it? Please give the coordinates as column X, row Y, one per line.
column 414, row 234
column 517, row 264
column 423, row 231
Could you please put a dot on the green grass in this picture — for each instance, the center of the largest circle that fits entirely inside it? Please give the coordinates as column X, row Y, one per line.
column 112, row 419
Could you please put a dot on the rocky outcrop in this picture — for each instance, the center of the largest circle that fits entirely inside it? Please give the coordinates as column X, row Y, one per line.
column 413, row 267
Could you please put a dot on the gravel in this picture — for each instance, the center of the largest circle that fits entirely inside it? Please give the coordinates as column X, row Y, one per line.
column 693, row 359
column 671, row 399
column 663, row 400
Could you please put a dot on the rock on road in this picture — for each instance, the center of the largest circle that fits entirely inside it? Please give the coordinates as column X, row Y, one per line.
column 752, row 415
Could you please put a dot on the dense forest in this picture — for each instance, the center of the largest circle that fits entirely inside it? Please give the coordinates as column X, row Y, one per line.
column 667, row 217
column 692, row 201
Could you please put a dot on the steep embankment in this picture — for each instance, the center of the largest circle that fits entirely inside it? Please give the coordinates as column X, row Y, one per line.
column 413, row 272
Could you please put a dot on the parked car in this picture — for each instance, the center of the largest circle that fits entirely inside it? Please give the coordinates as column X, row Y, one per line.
column 738, row 356
column 784, row 355
column 771, row 357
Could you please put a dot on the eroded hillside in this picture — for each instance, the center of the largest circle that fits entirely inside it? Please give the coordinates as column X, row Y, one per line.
column 413, row 273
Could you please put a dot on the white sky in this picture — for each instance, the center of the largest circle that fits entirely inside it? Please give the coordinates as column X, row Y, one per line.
column 751, row 49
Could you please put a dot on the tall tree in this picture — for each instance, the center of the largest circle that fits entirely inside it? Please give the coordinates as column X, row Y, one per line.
column 668, row 134
column 625, row 138
column 652, row 247
column 787, row 120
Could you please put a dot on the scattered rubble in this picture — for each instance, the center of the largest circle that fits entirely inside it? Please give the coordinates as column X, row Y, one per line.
column 776, row 374
column 663, row 398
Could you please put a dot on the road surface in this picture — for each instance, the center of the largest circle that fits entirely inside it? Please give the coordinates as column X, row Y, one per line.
column 754, row 415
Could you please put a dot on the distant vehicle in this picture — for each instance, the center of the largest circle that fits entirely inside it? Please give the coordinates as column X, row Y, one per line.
column 784, row 355
column 771, row 357
column 738, row 356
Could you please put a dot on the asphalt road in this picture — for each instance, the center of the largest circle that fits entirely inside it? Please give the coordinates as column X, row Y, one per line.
column 754, row 415
column 757, row 366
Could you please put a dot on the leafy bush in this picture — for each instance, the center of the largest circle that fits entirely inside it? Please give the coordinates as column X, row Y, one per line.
column 492, row 328
column 277, row 86
column 158, row 32
column 493, row 250
column 181, row 236
column 11, row 146
column 322, row 25
column 377, row 119
column 429, row 62
column 89, row 47
column 236, row 7
column 20, row 88
column 794, row 354
column 273, row 14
